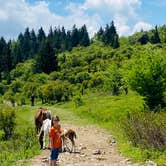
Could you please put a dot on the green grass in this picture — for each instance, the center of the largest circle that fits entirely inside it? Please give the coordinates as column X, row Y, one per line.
column 107, row 111
column 101, row 109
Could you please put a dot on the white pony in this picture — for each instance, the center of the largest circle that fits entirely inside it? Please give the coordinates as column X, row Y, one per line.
column 44, row 131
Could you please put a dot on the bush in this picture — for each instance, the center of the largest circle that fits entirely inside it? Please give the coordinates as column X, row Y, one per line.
column 146, row 129
column 77, row 100
column 96, row 80
column 56, row 91
column 82, row 76
column 7, row 121
column 147, row 75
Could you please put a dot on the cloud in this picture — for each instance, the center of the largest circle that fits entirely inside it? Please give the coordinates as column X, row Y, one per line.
column 114, row 6
column 123, row 12
column 121, row 24
column 141, row 26
column 16, row 15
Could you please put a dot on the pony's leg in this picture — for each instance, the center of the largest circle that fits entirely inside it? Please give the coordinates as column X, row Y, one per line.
column 63, row 149
column 44, row 140
column 41, row 140
column 73, row 145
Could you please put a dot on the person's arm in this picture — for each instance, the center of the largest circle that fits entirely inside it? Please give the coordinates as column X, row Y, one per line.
column 51, row 143
column 51, row 139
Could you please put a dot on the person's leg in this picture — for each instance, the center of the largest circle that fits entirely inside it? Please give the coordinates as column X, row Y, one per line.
column 54, row 157
column 53, row 163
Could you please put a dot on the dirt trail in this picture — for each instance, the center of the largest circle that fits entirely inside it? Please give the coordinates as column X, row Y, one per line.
column 94, row 149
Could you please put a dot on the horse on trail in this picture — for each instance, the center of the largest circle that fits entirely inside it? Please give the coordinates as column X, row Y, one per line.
column 38, row 119
column 43, row 125
column 68, row 134
column 44, row 132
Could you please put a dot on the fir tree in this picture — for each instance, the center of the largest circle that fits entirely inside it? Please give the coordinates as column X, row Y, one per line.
column 74, row 36
column 155, row 37
column 40, row 37
column 100, row 34
column 63, row 39
column 68, row 41
column 83, row 36
column 26, row 44
column 46, row 61
column 50, row 36
column 2, row 55
column 33, row 44
column 110, row 36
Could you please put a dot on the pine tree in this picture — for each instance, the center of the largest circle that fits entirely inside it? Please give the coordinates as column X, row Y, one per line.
column 26, row 44
column 63, row 39
column 100, row 34
column 2, row 55
column 56, row 39
column 40, row 37
column 155, row 37
column 16, row 54
column 83, row 36
column 106, row 35
column 110, row 36
column 50, row 36
column 74, row 36
column 68, row 41
column 116, row 41
column 46, row 60
column 33, row 44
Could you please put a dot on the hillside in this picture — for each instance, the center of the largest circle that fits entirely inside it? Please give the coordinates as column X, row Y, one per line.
column 120, row 87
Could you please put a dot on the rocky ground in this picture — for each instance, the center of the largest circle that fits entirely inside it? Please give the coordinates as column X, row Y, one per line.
column 94, row 147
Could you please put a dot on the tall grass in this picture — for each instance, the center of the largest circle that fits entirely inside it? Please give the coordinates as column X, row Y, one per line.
column 146, row 129
column 23, row 143
column 110, row 111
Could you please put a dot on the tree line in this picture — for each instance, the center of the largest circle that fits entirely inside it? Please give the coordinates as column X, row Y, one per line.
column 29, row 44
column 45, row 48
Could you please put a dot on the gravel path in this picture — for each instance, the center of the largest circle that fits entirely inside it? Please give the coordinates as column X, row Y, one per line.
column 94, row 147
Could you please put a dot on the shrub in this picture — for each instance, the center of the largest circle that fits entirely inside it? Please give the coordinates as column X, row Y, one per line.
column 82, row 76
column 147, row 75
column 77, row 100
column 16, row 86
column 146, row 129
column 97, row 79
column 7, row 121
column 56, row 91
column 9, row 97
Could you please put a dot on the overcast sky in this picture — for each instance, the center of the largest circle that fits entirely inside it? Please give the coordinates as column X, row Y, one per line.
column 129, row 15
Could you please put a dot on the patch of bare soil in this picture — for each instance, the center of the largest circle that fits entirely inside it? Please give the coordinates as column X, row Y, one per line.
column 93, row 148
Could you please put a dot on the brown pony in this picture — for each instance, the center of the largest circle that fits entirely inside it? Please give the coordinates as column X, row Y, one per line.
column 42, row 125
column 71, row 135
column 40, row 116
column 38, row 119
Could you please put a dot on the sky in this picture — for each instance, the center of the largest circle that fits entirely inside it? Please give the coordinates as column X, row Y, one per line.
column 129, row 16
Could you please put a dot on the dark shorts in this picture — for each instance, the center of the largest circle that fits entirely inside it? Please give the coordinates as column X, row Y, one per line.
column 55, row 153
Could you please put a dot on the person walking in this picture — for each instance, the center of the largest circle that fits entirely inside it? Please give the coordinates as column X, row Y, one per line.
column 55, row 140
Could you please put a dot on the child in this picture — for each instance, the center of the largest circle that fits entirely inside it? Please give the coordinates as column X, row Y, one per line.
column 55, row 139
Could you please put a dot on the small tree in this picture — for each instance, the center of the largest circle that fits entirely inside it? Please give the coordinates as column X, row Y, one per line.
column 147, row 75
